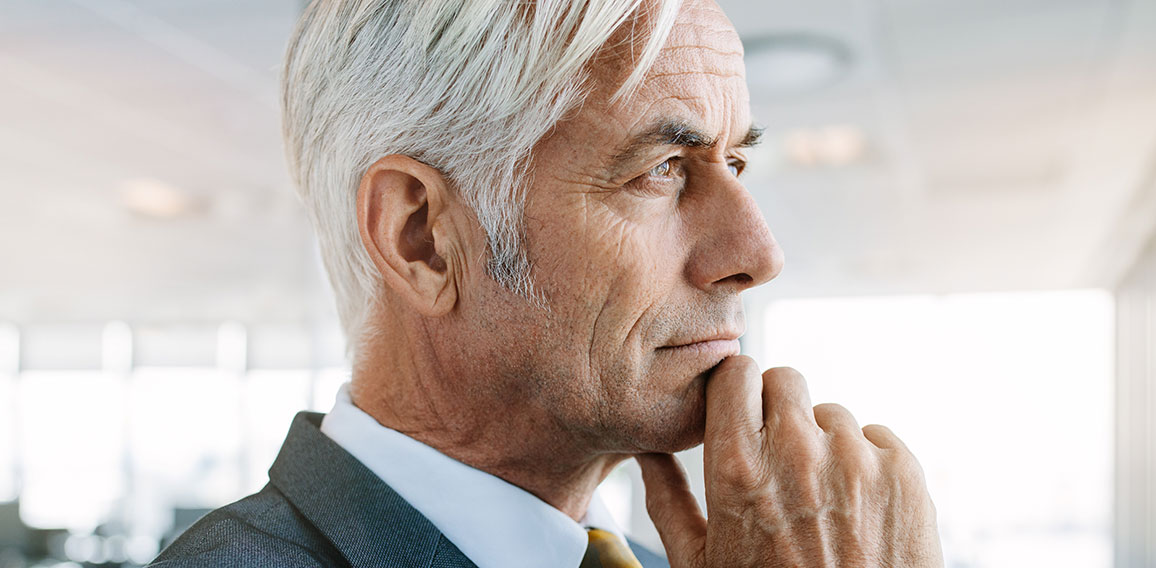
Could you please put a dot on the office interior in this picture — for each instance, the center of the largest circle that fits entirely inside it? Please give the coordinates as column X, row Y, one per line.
column 965, row 191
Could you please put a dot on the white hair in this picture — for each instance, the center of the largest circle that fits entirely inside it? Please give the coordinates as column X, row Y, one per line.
column 465, row 86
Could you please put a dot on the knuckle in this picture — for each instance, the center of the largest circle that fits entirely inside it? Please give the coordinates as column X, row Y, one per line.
column 914, row 468
column 789, row 388
column 831, row 408
column 906, row 469
column 738, row 472
column 738, row 364
column 797, row 449
column 835, row 414
column 853, row 454
column 786, row 375
column 929, row 508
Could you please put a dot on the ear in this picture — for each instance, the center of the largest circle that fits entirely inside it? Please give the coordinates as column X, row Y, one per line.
column 402, row 212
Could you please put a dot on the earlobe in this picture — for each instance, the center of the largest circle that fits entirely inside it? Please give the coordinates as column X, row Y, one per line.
column 403, row 216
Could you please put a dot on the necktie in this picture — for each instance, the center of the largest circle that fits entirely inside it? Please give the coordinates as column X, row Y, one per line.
column 605, row 550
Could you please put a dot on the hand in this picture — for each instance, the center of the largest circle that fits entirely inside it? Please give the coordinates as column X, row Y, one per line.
column 788, row 485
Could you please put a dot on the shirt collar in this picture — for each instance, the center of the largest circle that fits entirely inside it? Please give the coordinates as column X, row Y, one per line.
column 494, row 523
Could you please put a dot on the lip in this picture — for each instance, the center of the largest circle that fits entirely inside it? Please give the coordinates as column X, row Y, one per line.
column 720, row 348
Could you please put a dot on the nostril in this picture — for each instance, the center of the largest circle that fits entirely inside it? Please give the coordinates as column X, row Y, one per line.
column 742, row 279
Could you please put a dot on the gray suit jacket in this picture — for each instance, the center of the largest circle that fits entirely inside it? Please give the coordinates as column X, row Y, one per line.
column 322, row 507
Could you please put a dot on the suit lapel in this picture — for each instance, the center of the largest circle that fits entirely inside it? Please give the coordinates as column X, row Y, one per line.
column 370, row 524
column 364, row 518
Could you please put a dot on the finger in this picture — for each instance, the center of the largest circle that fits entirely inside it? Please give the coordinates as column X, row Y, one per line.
column 787, row 401
column 734, row 409
column 673, row 509
column 836, row 420
column 883, row 437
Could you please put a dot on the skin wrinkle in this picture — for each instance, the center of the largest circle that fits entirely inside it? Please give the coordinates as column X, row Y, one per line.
column 686, row 102
column 665, row 99
column 719, row 74
column 585, row 383
column 636, row 152
column 593, row 332
column 667, row 134
column 589, row 272
column 706, row 48
column 618, row 242
column 590, row 183
column 708, row 70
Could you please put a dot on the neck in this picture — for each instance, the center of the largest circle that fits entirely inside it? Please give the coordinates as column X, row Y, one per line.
column 404, row 386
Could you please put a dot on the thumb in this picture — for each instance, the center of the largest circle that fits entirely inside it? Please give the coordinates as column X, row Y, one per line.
column 674, row 510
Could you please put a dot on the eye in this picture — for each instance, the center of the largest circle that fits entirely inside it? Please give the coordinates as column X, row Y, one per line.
column 663, row 180
column 662, row 170
column 736, row 167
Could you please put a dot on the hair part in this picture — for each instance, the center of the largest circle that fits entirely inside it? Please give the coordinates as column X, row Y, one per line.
column 465, row 86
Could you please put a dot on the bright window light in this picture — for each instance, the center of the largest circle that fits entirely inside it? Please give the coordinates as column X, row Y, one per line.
column 1006, row 399
column 8, row 426
column 72, row 431
column 272, row 398
column 186, row 438
column 326, row 385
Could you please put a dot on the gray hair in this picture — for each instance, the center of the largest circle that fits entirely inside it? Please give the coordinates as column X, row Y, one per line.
column 466, row 86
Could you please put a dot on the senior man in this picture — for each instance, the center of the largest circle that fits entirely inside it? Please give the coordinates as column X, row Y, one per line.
column 532, row 216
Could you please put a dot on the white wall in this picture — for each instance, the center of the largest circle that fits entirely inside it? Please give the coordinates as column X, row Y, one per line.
column 1135, row 410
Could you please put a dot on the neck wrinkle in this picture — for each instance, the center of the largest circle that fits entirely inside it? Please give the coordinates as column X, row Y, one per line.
column 404, row 385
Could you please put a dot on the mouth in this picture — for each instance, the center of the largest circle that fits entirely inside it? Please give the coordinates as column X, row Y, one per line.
column 717, row 349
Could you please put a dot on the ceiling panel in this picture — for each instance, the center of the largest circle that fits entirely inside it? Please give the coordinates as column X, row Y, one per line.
column 1004, row 139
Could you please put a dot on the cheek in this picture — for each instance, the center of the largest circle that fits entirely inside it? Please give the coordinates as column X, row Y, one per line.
column 631, row 270
column 604, row 277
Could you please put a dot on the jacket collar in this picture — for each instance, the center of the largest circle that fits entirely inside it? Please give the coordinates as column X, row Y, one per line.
column 361, row 515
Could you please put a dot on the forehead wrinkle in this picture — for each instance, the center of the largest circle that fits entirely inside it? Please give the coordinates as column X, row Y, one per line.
column 702, row 50
column 702, row 47
column 699, row 23
column 722, row 42
column 699, row 55
column 712, row 73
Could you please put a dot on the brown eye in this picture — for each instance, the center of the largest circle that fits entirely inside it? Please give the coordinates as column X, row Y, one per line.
column 736, row 167
column 661, row 170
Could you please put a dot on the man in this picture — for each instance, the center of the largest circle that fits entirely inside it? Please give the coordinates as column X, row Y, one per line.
column 532, row 217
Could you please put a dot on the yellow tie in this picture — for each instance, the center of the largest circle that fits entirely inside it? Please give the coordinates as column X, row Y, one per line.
column 605, row 550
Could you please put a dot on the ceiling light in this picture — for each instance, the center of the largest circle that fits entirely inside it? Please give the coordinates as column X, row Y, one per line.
column 154, row 198
column 830, row 146
column 794, row 63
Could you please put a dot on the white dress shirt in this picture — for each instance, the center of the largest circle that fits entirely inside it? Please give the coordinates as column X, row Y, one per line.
column 494, row 523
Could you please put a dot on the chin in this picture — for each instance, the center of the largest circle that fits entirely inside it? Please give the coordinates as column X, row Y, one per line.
column 672, row 425
column 676, row 440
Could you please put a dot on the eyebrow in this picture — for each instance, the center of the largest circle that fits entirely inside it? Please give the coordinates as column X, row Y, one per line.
column 672, row 132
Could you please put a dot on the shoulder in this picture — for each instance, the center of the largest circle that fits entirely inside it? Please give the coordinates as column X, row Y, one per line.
column 262, row 529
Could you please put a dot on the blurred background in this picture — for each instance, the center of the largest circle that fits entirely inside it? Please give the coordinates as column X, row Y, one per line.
column 966, row 192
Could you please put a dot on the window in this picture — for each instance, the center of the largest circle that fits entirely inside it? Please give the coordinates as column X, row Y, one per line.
column 272, row 398
column 71, row 447
column 1006, row 399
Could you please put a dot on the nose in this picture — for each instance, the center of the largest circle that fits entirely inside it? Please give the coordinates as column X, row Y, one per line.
column 733, row 246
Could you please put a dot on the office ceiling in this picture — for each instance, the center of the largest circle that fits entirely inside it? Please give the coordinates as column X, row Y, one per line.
column 925, row 146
